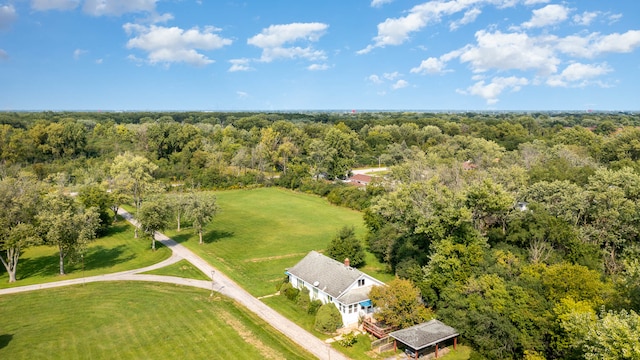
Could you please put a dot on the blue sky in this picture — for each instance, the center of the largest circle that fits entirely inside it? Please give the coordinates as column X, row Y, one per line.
column 319, row 55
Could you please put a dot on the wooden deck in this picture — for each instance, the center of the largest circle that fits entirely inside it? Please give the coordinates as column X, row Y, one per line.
column 375, row 329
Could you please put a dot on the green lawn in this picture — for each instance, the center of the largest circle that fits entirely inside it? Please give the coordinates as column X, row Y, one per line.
column 183, row 269
column 118, row 251
column 135, row 321
column 259, row 233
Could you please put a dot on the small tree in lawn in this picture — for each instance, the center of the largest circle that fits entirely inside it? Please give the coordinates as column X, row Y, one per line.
column 399, row 304
column 201, row 209
column 67, row 225
column 20, row 198
column 153, row 216
column 179, row 202
column 346, row 245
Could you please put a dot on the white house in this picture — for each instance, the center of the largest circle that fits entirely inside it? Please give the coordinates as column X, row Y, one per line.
column 332, row 281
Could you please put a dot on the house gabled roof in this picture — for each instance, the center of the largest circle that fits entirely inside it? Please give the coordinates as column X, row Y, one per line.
column 328, row 275
column 361, row 178
column 424, row 335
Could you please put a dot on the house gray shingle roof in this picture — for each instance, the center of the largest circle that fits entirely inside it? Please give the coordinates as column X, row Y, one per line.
column 426, row 334
column 333, row 277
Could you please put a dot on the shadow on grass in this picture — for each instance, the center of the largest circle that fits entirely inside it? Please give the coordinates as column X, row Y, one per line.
column 117, row 228
column 215, row 235
column 182, row 237
column 5, row 339
column 208, row 237
column 100, row 257
column 96, row 258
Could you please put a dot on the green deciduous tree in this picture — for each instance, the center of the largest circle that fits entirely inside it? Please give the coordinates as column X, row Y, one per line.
column 67, row 225
column 399, row 304
column 20, row 199
column 153, row 216
column 345, row 245
column 201, row 209
column 133, row 175
column 614, row 336
column 98, row 197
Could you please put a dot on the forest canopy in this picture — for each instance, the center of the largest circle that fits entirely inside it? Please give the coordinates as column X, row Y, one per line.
column 521, row 230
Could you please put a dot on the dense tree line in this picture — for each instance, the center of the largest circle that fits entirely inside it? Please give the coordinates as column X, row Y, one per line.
column 520, row 230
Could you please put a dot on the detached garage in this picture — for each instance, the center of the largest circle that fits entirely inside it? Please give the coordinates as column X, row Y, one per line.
column 425, row 340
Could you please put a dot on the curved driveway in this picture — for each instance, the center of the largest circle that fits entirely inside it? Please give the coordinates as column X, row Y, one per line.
column 220, row 283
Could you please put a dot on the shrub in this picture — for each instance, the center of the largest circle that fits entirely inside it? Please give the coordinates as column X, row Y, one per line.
column 328, row 318
column 289, row 291
column 292, row 293
column 314, row 305
column 348, row 340
column 279, row 284
column 303, row 298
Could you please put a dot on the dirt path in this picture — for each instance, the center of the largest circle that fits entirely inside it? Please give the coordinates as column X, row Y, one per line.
column 220, row 283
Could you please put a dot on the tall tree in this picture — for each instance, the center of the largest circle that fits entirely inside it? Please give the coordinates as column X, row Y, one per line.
column 20, row 198
column 133, row 175
column 399, row 304
column 201, row 208
column 345, row 245
column 153, row 216
column 67, row 225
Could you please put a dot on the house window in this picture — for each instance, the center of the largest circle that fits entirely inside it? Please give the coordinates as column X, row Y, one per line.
column 315, row 293
column 360, row 282
column 300, row 284
column 329, row 298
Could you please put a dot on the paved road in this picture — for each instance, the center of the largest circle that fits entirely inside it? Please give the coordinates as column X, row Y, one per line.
column 221, row 283
column 369, row 170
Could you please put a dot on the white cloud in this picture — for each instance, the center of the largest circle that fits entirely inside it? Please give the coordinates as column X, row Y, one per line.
column 391, row 76
column 160, row 18
column 375, row 79
column 578, row 74
column 272, row 40
column 535, row 2
column 548, row 15
column 45, row 5
column 585, row 18
column 118, row 7
column 614, row 18
column 7, row 16
column 492, row 90
column 379, row 3
column 240, row 65
column 396, row 31
column 99, row 61
column 595, row 44
column 3, row 55
column 431, row 65
column 318, row 67
column 77, row 53
column 167, row 45
column 242, row 94
column 469, row 17
column 400, row 84
column 508, row 51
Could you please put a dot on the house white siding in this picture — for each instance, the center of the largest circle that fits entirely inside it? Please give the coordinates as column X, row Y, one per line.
column 351, row 313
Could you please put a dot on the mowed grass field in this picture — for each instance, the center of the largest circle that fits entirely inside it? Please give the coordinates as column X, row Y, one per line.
column 135, row 321
column 259, row 233
column 117, row 251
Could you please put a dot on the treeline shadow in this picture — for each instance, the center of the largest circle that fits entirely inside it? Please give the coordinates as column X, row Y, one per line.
column 208, row 237
column 95, row 258
column 215, row 235
column 5, row 339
